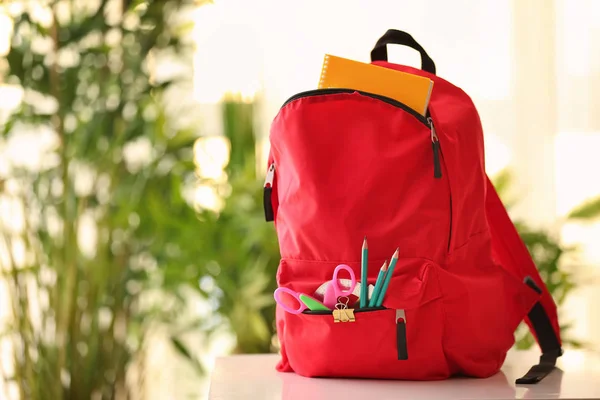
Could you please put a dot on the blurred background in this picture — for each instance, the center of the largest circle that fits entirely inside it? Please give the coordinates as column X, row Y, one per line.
column 133, row 139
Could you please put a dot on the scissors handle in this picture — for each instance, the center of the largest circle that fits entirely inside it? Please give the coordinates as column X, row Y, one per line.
column 281, row 302
column 338, row 288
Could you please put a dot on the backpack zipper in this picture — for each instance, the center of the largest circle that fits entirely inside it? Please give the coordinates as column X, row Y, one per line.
column 400, row 321
column 388, row 100
column 267, row 192
column 427, row 121
column 356, row 311
column 435, row 146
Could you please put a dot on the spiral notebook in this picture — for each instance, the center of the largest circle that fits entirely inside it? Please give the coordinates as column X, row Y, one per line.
column 412, row 90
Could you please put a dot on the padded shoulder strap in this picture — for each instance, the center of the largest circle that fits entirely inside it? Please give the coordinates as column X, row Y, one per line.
column 510, row 251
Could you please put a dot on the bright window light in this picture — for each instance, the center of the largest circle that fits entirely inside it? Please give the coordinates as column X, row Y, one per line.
column 497, row 154
column 576, row 169
column 228, row 53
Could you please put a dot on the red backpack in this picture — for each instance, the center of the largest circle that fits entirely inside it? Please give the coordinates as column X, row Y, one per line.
column 345, row 164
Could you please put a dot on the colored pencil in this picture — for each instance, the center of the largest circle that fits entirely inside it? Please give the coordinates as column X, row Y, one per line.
column 388, row 278
column 378, row 283
column 364, row 284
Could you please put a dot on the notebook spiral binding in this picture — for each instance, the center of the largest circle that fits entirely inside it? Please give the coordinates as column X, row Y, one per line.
column 323, row 72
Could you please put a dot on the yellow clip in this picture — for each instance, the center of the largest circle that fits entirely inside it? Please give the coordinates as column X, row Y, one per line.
column 343, row 315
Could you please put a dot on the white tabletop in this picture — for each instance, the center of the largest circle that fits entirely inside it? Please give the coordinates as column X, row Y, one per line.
column 254, row 377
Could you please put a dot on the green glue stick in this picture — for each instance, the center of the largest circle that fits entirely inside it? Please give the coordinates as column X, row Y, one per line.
column 313, row 304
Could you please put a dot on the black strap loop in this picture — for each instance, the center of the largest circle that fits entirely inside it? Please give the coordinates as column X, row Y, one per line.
column 547, row 339
column 539, row 371
column 393, row 36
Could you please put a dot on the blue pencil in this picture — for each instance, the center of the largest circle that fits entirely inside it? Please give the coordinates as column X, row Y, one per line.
column 388, row 278
column 378, row 283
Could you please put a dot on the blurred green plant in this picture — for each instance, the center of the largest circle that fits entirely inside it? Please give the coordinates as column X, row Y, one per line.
column 238, row 249
column 97, row 240
column 549, row 255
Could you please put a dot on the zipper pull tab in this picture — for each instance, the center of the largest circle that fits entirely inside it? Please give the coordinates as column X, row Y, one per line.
column 270, row 176
column 435, row 146
column 267, row 192
column 401, row 335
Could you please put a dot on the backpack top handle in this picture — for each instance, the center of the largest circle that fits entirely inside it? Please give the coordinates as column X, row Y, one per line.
column 393, row 36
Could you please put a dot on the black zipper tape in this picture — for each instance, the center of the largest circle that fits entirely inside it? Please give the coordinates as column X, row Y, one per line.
column 356, row 310
column 388, row 100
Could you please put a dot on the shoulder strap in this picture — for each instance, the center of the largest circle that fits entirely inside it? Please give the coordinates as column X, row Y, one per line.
column 510, row 251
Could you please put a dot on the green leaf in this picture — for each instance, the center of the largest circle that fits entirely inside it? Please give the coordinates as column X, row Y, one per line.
column 577, row 344
column 182, row 349
column 502, row 181
column 586, row 211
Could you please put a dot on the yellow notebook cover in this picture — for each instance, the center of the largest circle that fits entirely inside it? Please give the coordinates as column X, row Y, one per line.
column 412, row 90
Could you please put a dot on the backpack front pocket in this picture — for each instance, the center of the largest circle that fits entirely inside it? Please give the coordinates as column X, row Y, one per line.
column 389, row 343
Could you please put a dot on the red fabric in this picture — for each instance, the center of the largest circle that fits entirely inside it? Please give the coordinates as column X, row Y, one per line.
column 347, row 166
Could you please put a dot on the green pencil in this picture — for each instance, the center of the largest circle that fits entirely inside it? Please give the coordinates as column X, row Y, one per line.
column 388, row 278
column 364, row 284
column 378, row 283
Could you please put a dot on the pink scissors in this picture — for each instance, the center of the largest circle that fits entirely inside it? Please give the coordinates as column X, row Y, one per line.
column 335, row 290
